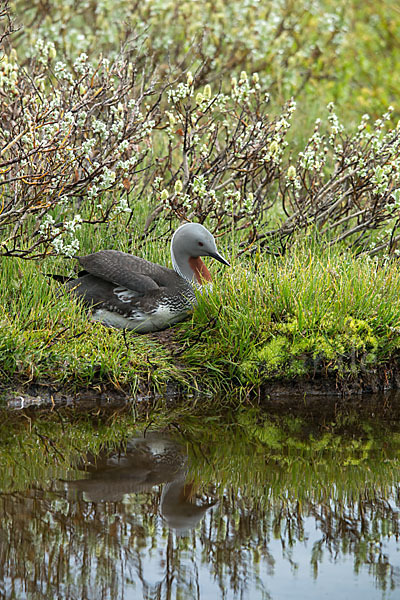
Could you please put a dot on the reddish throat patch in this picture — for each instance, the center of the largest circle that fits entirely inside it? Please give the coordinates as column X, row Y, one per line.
column 201, row 272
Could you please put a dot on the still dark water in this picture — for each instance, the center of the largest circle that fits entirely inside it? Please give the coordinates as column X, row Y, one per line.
column 287, row 502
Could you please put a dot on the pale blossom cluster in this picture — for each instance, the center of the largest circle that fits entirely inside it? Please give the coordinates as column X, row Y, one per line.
column 70, row 146
column 64, row 240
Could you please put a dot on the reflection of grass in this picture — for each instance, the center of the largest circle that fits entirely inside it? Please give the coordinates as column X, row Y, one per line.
column 37, row 450
column 339, row 457
column 275, row 457
column 270, row 473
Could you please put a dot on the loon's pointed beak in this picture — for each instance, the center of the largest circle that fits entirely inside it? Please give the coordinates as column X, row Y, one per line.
column 220, row 258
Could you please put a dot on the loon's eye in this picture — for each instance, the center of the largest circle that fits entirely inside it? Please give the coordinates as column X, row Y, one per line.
column 201, row 244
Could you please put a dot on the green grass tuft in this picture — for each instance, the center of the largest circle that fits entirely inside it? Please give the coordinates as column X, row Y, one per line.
column 46, row 336
column 312, row 310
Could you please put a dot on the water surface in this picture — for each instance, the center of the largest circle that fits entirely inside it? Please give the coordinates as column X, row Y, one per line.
column 287, row 502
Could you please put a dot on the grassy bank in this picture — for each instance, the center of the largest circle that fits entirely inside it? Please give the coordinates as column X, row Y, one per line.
column 48, row 339
column 123, row 147
column 314, row 312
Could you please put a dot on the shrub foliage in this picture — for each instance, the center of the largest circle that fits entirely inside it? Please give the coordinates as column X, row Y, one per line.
column 86, row 138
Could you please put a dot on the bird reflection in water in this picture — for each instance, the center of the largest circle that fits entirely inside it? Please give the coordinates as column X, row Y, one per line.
column 146, row 462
